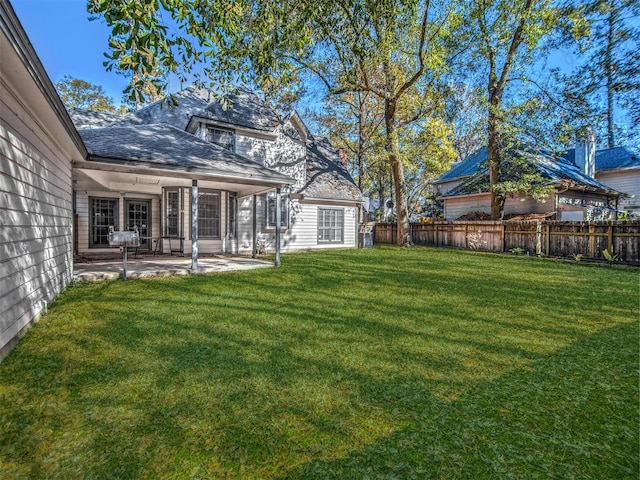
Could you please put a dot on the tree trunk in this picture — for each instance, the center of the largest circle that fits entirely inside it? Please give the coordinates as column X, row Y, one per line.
column 397, row 169
column 608, row 65
column 494, row 154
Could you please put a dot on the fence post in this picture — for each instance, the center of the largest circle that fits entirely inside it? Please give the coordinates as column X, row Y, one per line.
column 504, row 236
column 548, row 240
column 592, row 241
column 538, row 237
column 610, row 238
column 466, row 235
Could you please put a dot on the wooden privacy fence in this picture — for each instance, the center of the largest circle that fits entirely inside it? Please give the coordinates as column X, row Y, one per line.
column 550, row 238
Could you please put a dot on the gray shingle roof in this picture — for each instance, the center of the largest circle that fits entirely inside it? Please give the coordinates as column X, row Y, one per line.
column 246, row 110
column 89, row 119
column 609, row 158
column 326, row 176
column 167, row 147
column 553, row 172
column 189, row 100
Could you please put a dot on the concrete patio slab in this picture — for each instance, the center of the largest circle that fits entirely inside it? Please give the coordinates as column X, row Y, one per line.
column 112, row 269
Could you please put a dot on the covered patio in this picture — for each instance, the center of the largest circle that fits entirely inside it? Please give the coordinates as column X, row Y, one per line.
column 145, row 266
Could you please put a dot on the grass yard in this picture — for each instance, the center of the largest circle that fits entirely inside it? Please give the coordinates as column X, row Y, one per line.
column 365, row 364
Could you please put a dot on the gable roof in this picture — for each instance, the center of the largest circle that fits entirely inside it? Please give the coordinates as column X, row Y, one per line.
column 89, row 119
column 187, row 101
column 465, row 168
column 553, row 173
column 246, row 109
column 167, row 147
column 131, row 138
column 327, row 178
column 608, row 158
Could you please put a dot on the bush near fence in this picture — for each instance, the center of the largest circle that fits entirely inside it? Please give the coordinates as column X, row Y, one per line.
column 549, row 238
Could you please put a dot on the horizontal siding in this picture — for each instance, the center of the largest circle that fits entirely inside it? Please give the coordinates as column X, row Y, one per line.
column 36, row 217
column 252, row 148
column 446, row 187
column 302, row 233
column 624, row 181
column 523, row 205
column 457, row 206
column 205, row 246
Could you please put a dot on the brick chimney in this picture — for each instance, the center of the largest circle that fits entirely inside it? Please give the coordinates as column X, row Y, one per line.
column 586, row 152
column 343, row 156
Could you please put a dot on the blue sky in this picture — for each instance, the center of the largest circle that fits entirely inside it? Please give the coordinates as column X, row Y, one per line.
column 68, row 43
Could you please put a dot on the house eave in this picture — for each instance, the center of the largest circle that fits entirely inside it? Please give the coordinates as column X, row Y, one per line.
column 341, row 201
column 147, row 168
column 446, row 197
column 618, row 169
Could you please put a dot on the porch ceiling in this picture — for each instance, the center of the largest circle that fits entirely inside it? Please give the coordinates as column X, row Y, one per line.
column 152, row 184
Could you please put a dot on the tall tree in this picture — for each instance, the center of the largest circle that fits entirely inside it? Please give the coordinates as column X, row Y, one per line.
column 508, row 32
column 607, row 80
column 465, row 109
column 360, row 51
column 351, row 44
column 354, row 122
column 76, row 93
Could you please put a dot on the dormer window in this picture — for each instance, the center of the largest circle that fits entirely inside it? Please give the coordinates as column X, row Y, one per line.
column 224, row 138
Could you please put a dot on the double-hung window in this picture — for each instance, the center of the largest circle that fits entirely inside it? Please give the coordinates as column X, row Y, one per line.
column 104, row 212
column 208, row 214
column 172, row 206
column 224, row 138
column 271, row 210
column 330, row 225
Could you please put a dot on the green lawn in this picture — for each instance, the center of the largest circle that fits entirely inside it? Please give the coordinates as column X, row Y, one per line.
column 381, row 363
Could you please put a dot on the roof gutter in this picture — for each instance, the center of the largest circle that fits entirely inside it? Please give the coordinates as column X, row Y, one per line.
column 144, row 168
column 331, row 200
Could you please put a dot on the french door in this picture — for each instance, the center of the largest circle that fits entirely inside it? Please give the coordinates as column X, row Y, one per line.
column 138, row 213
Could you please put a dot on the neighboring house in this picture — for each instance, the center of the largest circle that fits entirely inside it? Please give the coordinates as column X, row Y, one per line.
column 575, row 195
column 252, row 150
column 617, row 168
column 38, row 146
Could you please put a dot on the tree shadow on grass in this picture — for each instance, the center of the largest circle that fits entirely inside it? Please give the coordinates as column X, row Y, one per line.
column 573, row 414
column 299, row 378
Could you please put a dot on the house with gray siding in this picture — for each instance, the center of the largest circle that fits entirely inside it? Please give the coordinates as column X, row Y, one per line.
column 194, row 178
column 38, row 147
column 618, row 168
column 247, row 141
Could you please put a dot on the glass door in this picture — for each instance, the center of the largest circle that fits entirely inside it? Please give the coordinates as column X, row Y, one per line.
column 138, row 213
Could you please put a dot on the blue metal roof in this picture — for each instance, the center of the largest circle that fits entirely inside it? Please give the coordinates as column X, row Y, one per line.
column 608, row 158
column 465, row 168
column 552, row 171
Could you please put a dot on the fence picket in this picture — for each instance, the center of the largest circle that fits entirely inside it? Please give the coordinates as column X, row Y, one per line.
column 561, row 239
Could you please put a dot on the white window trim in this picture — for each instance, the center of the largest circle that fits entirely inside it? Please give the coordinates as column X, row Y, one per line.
column 204, row 191
column 321, row 240
column 285, row 204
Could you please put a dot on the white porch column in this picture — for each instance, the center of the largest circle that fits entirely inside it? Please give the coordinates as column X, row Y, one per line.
column 278, row 222
column 194, row 225
column 254, row 253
